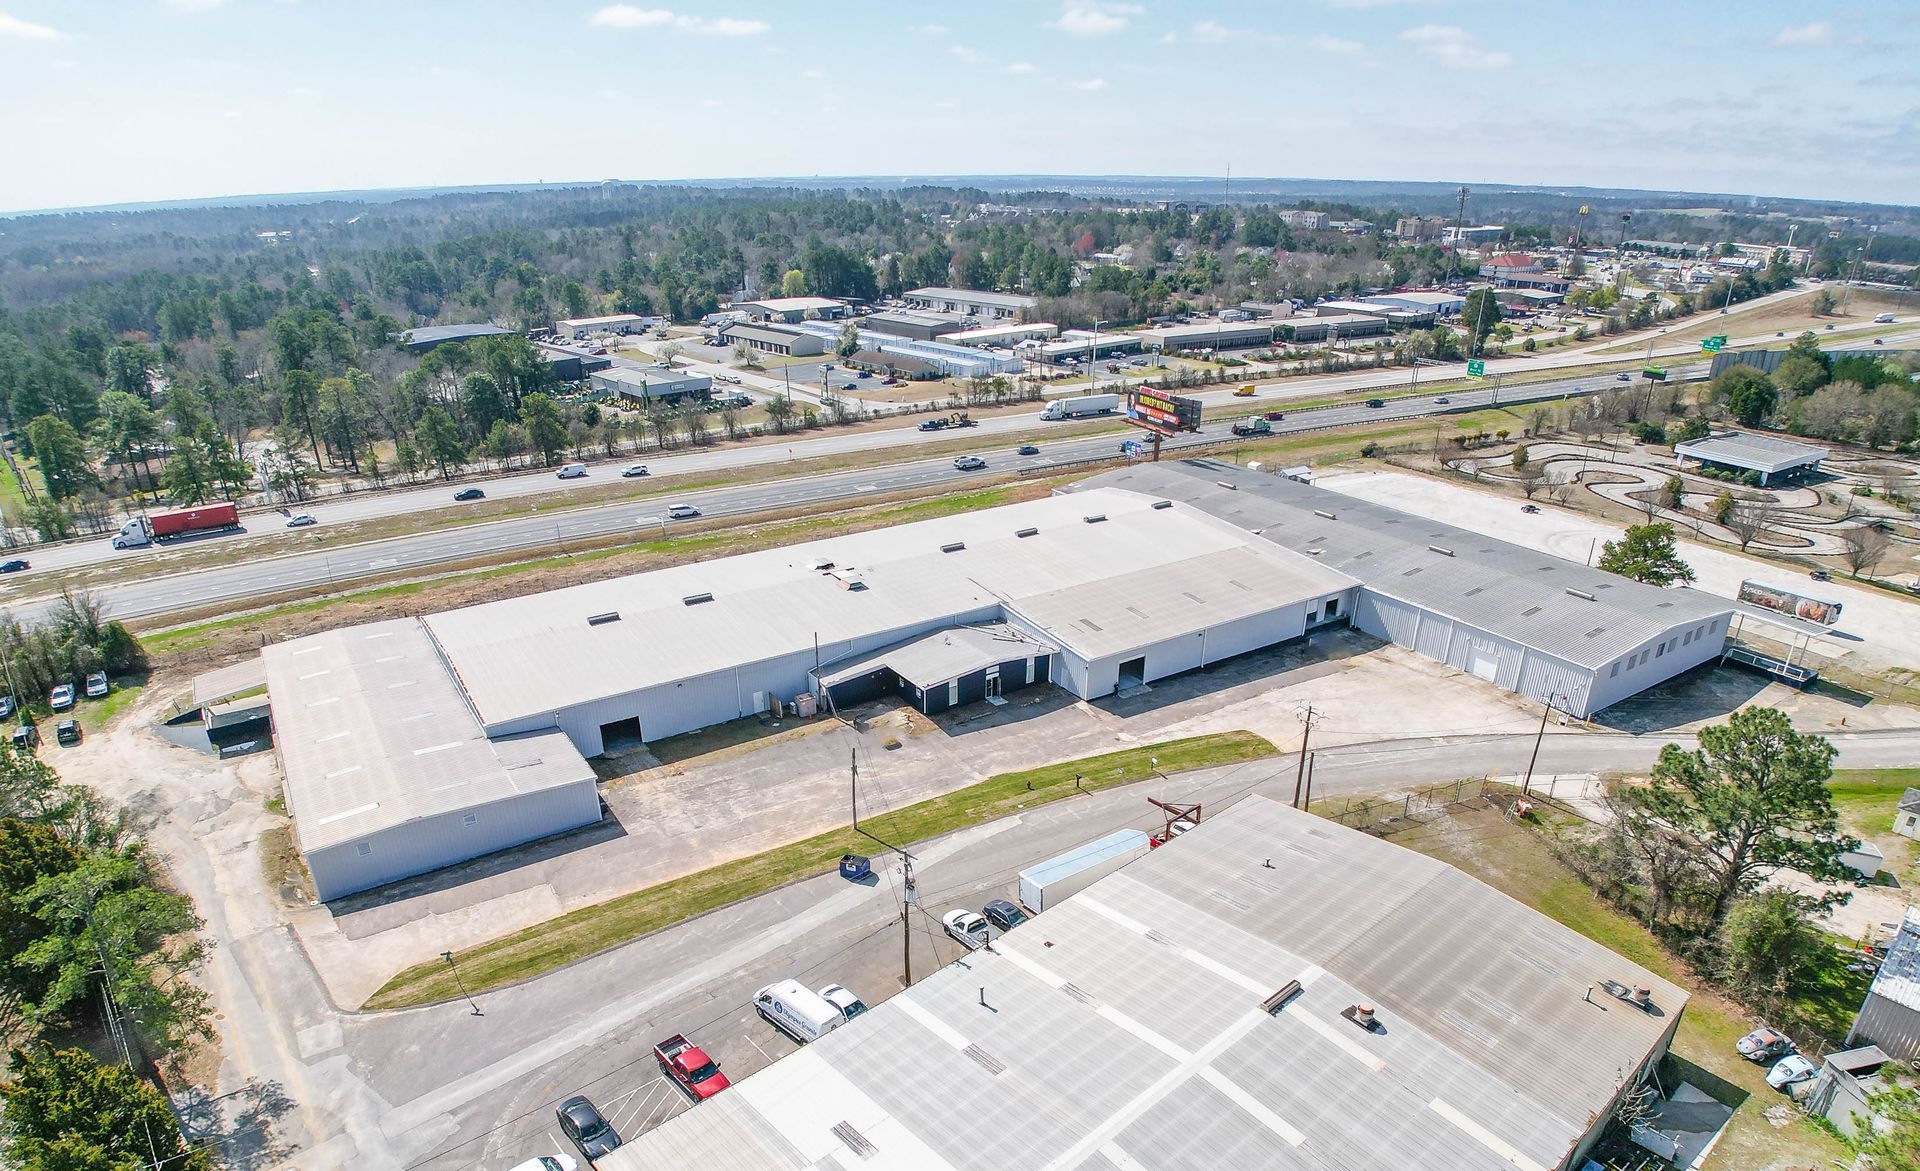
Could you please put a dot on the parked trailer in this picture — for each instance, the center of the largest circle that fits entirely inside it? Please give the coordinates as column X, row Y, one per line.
column 1086, row 404
column 181, row 522
column 1043, row 886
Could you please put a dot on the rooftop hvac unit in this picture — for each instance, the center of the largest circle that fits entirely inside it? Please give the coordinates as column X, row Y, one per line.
column 1438, row 549
column 1582, row 594
column 953, row 546
column 603, row 619
column 1319, row 512
column 695, row 599
column 1027, row 533
column 1096, row 518
column 1163, row 504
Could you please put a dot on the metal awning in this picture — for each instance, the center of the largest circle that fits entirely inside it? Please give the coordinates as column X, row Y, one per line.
column 224, row 683
column 933, row 659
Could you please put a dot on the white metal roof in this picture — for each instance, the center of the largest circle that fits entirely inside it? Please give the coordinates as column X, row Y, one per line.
column 374, row 733
column 590, row 322
column 972, row 296
column 793, row 304
column 532, row 655
column 931, row 659
column 1124, row 1029
column 1743, row 449
column 1898, row 979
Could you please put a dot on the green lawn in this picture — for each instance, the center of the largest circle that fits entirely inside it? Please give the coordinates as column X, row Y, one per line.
column 12, row 497
column 581, row 933
column 95, row 714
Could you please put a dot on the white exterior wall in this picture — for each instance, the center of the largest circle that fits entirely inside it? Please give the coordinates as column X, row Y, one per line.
column 1186, row 652
column 431, row 843
column 1610, row 687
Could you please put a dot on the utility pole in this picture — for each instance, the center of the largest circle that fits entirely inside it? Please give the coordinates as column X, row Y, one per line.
column 1300, row 771
column 1310, row 760
column 853, row 789
column 1459, row 224
column 1526, row 782
column 906, row 921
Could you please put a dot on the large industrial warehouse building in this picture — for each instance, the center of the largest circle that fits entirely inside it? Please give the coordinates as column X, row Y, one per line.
column 1200, row 1008
column 421, row 742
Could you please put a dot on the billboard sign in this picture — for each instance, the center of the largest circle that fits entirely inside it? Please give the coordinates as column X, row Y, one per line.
column 1785, row 601
column 1159, row 411
column 1714, row 344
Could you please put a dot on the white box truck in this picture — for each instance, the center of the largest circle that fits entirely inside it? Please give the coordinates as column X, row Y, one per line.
column 1086, row 404
column 1043, row 886
column 797, row 1011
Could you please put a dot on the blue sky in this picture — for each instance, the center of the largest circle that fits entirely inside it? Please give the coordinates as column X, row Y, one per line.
column 162, row 99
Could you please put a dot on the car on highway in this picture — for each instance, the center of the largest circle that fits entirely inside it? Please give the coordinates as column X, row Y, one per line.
column 1376, row 402
column 967, row 927
column 1028, row 449
column 1274, row 416
column 969, row 463
column 1883, row 319
column 67, row 732
column 1879, row 341
column 635, row 470
column 1529, row 508
column 590, row 1133
column 97, row 685
column 682, row 511
column 553, row 1162
column 1820, row 575
column 1763, row 1045
column 61, row 697
column 1623, row 376
column 301, row 520
column 848, row 386
column 1442, row 401
column 1003, row 914
column 571, row 471
column 850, row 1006
column 1246, row 392
column 13, row 566
column 1791, row 1070
column 469, row 494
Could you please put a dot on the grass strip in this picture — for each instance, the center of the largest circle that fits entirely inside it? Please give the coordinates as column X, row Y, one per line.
column 588, row 930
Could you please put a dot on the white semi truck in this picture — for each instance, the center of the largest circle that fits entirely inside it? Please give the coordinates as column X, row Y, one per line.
column 1086, row 404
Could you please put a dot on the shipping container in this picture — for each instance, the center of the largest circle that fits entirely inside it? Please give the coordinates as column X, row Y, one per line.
column 1043, row 886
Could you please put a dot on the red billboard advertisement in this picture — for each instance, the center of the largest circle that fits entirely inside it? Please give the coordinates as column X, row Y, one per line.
column 1163, row 412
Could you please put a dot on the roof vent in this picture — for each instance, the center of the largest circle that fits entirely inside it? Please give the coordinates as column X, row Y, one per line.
column 1026, row 532
column 1163, row 504
column 603, row 619
column 1096, row 518
column 1362, row 1015
column 1278, row 1000
column 1438, row 549
column 953, row 546
column 696, row 599
column 1318, row 512
column 1581, row 594
column 820, row 563
column 1228, row 485
column 1315, row 552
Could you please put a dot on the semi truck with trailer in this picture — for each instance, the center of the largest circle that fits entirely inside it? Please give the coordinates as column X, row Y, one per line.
column 155, row 527
column 1081, row 407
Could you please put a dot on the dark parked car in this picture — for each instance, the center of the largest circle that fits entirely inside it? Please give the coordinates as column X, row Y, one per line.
column 67, row 732
column 13, row 566
column 469, row 494
column 1003, row 914
column 1376, row 402
column 25, row 737
column 585, row 1128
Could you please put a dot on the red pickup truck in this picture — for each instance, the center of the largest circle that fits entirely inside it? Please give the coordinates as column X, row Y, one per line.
column 689, row 1067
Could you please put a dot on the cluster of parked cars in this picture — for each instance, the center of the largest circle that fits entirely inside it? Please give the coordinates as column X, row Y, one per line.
column 975, row 931
column 1790, row 1068
column 62, row 698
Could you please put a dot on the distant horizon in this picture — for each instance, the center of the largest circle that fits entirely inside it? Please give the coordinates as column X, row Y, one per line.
column 1005, row 180
column 164, row 101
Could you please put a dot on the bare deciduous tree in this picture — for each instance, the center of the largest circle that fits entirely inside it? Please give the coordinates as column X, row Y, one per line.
column 1749, row 519
column 1863, row 546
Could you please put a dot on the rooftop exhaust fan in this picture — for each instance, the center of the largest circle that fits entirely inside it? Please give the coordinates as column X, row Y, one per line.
column 603, row 619
column 1582, row 594
column 1163, row 504
column 1319, row 512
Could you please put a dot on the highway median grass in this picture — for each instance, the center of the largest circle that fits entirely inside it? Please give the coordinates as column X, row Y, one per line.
column 589, row 930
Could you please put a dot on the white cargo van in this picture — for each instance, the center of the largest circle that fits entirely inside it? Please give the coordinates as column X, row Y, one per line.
column 797, row 1011
column 572, row 471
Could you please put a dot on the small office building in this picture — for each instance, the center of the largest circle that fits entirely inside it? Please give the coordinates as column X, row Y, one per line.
column 1003, row 336
column 579, row 327
column 653, row 384
column 788, row 310
column 971, row 303
column 1334, row 327
column 1437, row 302
column 774, row 339
column 1083, row 346
column 912, row 324
column 427, row 337
column 1221, row 335
column 1772, row 457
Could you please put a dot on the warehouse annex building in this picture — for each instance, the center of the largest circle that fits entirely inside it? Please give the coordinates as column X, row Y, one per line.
column 1205, row 1007
column 1579, row 638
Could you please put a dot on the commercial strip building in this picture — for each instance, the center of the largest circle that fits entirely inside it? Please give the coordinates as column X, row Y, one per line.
column 1003, row 336
column 388, row 773
column 775, row 339
column 1545, row 282
column 423, row 338
column 1202, row 1007
column 652, row 384
column 1085, row 346
column 611, row 323
column 1398, row 318
column 1224, row 335
column 1335, row 326
column 787, row 310
column 1771, row 457
column 910, row 323
column 1437, row 302
column 945, row 358
column 1579, row 638
column 971, row 303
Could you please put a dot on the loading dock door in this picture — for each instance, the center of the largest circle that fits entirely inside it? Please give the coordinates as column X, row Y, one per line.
column 1133, row 673
column 1484, row 663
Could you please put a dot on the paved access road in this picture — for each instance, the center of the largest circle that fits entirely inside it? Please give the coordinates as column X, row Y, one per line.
column 485, row 1096
column 246, row 580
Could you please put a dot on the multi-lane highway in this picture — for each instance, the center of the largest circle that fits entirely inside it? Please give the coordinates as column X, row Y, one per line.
column 554, row 528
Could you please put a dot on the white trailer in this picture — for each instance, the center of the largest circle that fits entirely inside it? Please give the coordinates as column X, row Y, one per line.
column 1043, row 886
column 1086, row 404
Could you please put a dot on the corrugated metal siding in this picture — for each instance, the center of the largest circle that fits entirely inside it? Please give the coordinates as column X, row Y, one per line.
column 1609, row 689
column 1252, row 633
column 1892, row 1026
column 429, row 844
column 1387, row 618
column 1433, row 637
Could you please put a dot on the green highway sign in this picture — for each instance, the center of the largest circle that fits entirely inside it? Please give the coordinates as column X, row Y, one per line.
column 1476, row 369
column 1714, row 344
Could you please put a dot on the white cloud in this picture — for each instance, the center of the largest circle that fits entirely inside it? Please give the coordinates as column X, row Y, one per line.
column 1095, row 18
column 1091, row 85
column 1212, row 32
column 1019, row 67
column 968, row 54
column 1323, row 43
column 1817, row 33
column 12, row 27
column 627, row 16
column 1454, row 47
